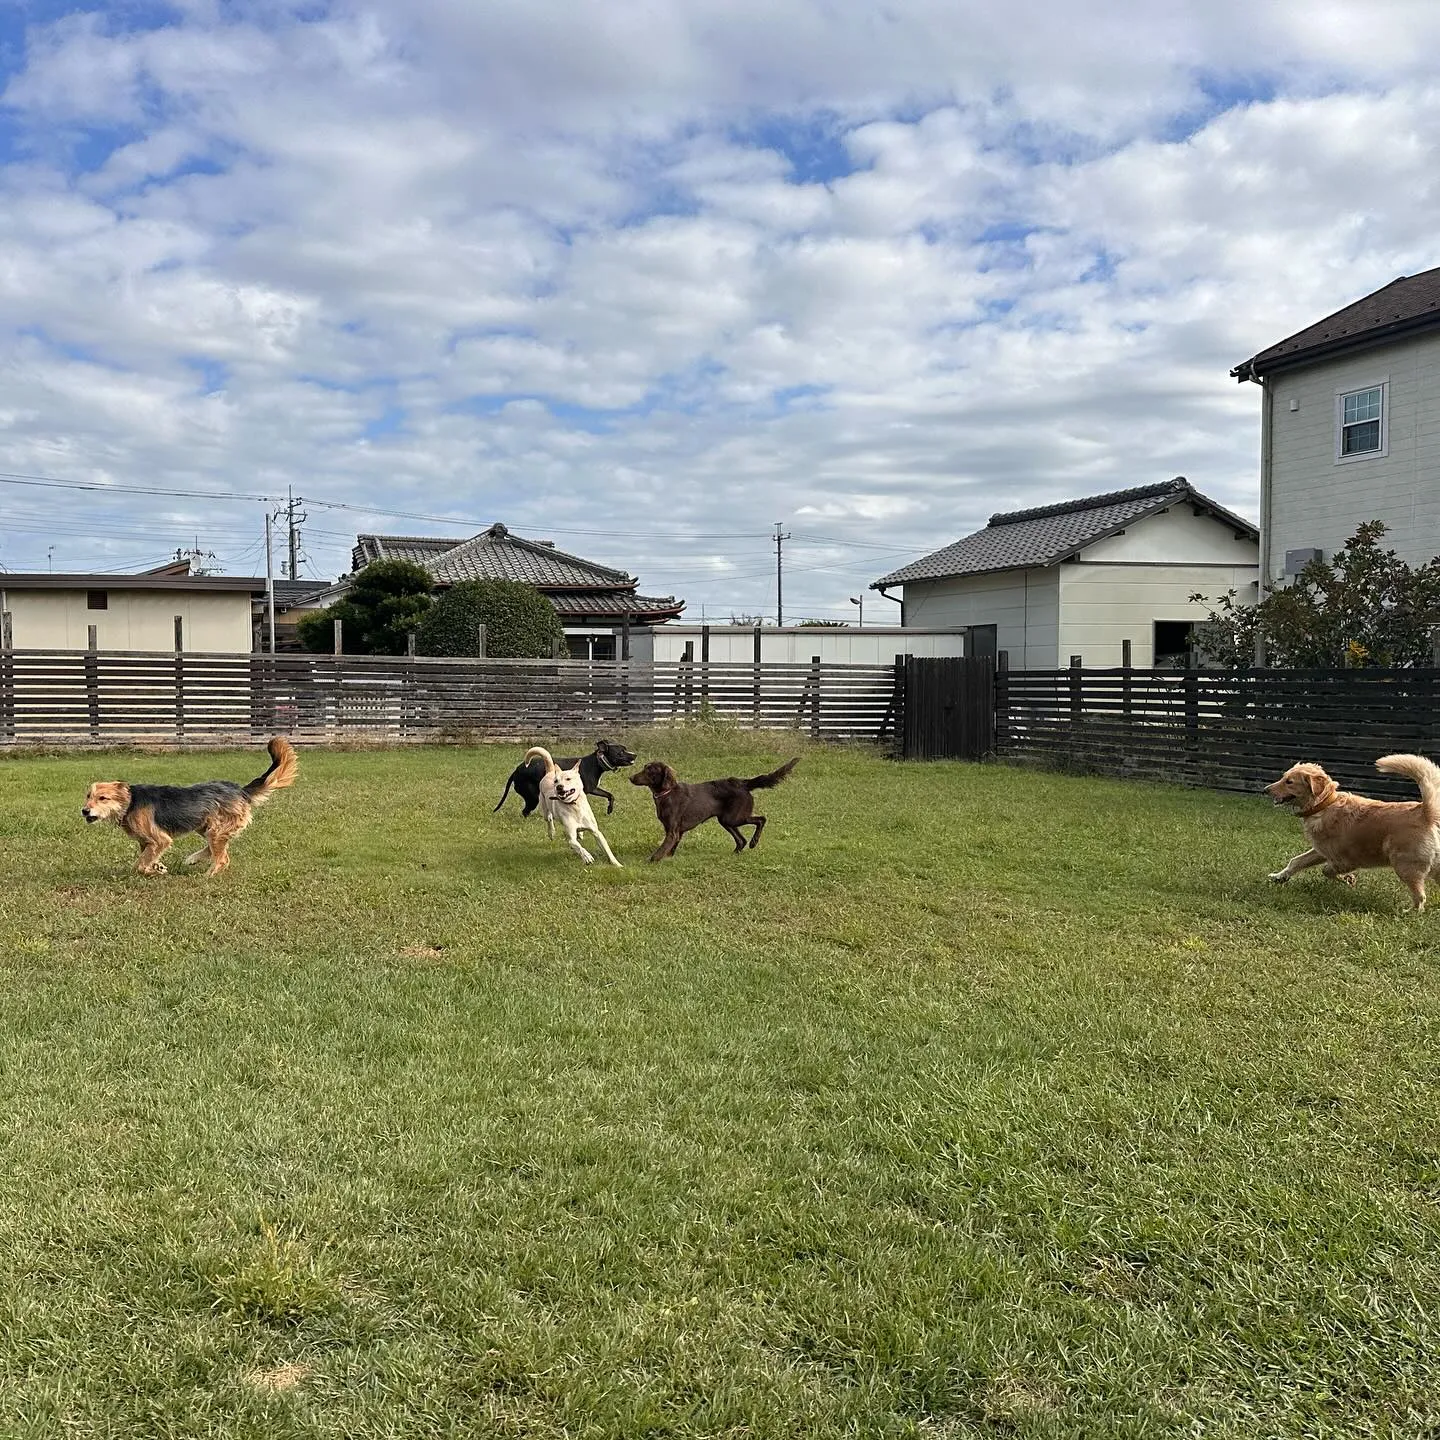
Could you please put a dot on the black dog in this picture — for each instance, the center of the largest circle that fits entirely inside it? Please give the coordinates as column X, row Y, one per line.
column 607, row 755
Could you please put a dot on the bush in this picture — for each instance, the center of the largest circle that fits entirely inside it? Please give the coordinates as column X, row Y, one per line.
column 520, row 623
column 1362, row 607
column 386, row 600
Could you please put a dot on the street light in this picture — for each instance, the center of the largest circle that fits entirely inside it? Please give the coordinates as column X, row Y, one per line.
column 860, row 601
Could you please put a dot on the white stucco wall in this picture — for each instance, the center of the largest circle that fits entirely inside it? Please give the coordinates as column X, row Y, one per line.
column 215, row 621
column 736, row 644
column 1314, row 500
column 1103, row 605
column 1177, row 536
column 1023, row 605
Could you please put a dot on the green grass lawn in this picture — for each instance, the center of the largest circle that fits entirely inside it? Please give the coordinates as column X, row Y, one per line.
column 974, row 1102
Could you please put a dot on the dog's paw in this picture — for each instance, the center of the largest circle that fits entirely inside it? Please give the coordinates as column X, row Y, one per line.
column 1347, row 879
column 1277, row 877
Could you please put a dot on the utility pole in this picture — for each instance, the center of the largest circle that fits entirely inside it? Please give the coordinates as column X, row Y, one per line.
column 294, row 518
column 780, row 539
column 270, row 581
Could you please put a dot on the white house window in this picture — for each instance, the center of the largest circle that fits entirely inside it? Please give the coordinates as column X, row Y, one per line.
column 1360, row 423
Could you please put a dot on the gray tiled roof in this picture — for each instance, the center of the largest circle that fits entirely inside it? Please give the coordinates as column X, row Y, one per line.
column 612, row 604
column 418, row 549
column 1410, row 303
column 496, row 554
column 1048, row 534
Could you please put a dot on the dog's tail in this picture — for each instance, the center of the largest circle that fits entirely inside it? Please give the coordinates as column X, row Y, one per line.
column 535, row 752
column 284, row 767
column 1425, row 773
column 764, row 782
column 505, row 794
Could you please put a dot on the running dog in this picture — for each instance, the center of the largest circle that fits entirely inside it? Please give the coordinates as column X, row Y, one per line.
column 682, row 807
column 607, row 755
column 562, row 799
column 1350, row 832
column 153, row 815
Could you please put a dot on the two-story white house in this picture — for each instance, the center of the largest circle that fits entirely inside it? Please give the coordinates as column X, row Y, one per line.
column 1350, row 429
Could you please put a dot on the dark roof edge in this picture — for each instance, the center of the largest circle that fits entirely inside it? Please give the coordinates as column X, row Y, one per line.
column 31, row 581
column 1327, row 349
column 1090, row 502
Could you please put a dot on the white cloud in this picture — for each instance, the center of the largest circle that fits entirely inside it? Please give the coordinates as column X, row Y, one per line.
column 655, row 267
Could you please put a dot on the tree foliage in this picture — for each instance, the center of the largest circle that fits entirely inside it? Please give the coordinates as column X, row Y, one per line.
column 1365, row 606
column 386, row 600
column 520, row 623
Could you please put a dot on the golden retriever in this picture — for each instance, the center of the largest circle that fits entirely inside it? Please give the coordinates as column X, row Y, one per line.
column 1349, row 832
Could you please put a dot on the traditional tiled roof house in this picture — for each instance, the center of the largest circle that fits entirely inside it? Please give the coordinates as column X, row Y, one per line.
column 593, row 601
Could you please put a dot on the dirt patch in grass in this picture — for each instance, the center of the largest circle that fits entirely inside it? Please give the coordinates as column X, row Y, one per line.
column 281, row 1378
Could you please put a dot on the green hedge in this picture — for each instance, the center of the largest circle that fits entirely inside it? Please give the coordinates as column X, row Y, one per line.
column 520, row 623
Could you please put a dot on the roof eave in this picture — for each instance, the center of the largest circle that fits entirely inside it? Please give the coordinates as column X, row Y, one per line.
column 1257, row 369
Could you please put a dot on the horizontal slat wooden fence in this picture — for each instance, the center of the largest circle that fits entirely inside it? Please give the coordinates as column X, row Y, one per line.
column 114, row 698
column 1224, row 730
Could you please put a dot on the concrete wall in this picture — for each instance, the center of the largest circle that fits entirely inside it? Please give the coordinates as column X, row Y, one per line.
column 1318, row 501
column 1101, row 606
column 215, row 621
column 1023, row 605
column 878, row 645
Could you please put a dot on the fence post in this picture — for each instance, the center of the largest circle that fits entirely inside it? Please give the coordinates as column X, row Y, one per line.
column 480, row 642
column 92, row 681
column 685, row 676
column 894, row 717
column 755, row 717
column 1192, row 701
column 7, row 673
column 625, row 634
column 815, row 700
column 410, row 643
column 1125, row 681
column 1435, row 646
column 705, row 667
column 1002, row 697
column 1076, row 689
column 339, row 636
column 179, row 677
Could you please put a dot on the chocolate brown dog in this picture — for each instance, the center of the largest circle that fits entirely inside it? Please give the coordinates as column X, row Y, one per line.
column 682, row 807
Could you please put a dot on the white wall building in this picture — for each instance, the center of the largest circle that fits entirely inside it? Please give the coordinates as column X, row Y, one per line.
column 793, row 644
column 129, row 612
column 1084, row 576
column 1350, row 429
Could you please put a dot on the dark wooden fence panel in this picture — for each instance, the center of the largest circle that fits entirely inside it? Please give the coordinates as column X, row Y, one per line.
column 1224, row 730
column 948, row 708
column 109, row 698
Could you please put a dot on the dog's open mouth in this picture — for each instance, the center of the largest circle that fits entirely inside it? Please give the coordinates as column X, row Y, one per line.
column 89, row 818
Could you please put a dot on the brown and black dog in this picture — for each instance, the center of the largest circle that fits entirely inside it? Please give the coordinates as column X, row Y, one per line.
column 153, row 815
column 1351, row 832
column 682, row 807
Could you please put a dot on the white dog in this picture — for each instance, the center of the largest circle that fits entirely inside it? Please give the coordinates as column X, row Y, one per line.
column 562, row 798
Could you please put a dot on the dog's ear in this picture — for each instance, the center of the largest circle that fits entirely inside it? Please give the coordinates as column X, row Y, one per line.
column 1315, row 780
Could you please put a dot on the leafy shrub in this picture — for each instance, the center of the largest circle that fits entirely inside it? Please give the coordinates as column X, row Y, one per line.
column 386, row 600
column 520, row 623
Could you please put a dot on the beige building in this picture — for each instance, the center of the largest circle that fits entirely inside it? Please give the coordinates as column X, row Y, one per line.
column 1083, row 577
column 1350, row 429
column 204, row 613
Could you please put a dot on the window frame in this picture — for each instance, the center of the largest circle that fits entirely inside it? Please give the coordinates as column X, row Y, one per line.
column 1341, row 395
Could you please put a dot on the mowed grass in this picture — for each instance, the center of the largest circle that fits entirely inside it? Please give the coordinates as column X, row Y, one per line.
column 974, row 1102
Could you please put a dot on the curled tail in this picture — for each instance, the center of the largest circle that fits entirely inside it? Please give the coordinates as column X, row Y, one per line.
column 764, row 782
column 284, row 767
column 535, row 752
column 1425, row 773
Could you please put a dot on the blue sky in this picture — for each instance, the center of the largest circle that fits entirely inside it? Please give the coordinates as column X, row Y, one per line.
column 650, row 277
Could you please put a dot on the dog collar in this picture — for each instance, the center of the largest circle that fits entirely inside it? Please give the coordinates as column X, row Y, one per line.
column 1324, row 804
column 603, row 762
